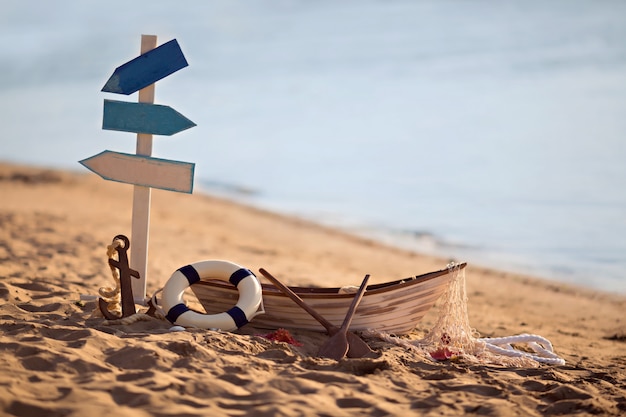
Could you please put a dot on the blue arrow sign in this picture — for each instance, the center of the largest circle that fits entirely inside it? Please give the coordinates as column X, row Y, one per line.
column 146, row 69
column 143, row 118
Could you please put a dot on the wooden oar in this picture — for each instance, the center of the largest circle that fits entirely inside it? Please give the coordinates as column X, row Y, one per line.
column 357, row 348
column 337, row 346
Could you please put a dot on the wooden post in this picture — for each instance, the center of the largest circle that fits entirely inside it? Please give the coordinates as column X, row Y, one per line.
column 141, row 170
column 142, row 197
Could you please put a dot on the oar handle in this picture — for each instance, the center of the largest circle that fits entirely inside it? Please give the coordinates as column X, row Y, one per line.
column 355, row 303
column 328, row 325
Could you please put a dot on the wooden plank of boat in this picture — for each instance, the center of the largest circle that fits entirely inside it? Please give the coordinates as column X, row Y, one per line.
column 393, row 307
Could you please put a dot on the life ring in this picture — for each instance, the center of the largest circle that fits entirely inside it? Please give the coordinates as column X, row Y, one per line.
column 250, row 296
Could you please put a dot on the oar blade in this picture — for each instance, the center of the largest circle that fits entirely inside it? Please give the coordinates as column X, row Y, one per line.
column 357, row 347
column 335, row 348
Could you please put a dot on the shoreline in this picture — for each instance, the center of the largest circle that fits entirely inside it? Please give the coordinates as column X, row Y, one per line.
column 57, row 358
column 409, row 241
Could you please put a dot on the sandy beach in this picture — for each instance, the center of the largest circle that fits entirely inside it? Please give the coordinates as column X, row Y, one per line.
column 58, row 358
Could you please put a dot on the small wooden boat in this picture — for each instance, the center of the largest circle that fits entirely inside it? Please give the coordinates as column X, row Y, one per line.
column 393, row 307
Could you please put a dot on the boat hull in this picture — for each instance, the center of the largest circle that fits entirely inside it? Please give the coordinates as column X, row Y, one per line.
column 393, row 307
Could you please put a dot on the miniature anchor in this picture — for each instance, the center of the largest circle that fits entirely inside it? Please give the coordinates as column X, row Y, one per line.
column 126, row 289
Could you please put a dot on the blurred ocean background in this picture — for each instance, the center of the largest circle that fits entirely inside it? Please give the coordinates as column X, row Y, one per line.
column 487, row 131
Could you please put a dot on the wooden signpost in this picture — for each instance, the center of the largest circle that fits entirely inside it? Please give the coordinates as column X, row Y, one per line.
column 146, row 119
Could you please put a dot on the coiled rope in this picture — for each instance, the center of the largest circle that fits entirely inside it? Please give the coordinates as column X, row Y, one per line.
column 544, row 353
column 112, row 295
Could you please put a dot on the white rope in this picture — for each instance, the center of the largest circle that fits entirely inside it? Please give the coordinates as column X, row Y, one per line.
column 542, row 347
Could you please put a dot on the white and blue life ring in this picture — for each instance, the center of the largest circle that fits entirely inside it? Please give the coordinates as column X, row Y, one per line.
column 248, row 305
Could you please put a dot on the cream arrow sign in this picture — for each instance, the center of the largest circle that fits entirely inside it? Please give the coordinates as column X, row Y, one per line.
column 142, row 170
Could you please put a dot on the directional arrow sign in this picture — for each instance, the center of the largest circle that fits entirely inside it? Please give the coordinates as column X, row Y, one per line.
column 146, row 69
column 142, row 170
column 143, row 118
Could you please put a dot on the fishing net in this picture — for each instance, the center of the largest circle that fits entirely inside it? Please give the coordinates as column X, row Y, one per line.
column 453, row 338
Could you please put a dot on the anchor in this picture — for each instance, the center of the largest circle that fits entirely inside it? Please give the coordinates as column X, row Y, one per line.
column 126, row 289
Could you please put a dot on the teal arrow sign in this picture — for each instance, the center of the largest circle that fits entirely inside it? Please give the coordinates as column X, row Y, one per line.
column 146, row 69
column 143, row 118
column 142, row 170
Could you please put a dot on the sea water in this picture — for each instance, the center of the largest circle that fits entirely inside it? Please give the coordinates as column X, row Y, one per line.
column 489, row 132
